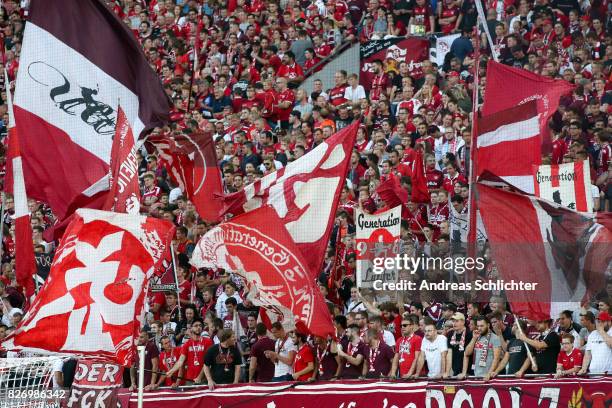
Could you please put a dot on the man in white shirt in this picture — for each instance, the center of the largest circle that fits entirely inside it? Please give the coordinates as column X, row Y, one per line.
column 434, row 348
column 230, row 291
column 598, row 350
column 354, row 92
column 283, row 354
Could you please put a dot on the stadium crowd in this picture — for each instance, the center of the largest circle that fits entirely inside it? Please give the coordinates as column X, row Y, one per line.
column 251, row 59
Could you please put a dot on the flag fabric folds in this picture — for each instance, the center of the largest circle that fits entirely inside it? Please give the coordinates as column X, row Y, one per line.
column 191, row 161
column 93, row 300
column 305, row 194
column 508, row 145
column 25, row 262
column 124, row 195
column 508, row 86
column 257, row 246
column 533, row 240
column 78, row 61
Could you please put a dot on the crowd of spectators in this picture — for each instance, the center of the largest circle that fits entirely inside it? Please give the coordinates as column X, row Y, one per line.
column 252, row 57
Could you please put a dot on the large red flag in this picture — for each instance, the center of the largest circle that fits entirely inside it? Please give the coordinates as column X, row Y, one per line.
column 420, row 192
column 508, row 145
column 258, row 247
column 536, row 241
column 191, row 161
column 25, row 262
column 392, row 192
column 93, row 300
column 124, row 195
column 78, row 61
column 304, row 194
column 508, row 87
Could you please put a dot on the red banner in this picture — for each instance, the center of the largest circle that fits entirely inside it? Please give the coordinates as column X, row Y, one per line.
column 392, row 52
column 96, row 384
column 499, row 393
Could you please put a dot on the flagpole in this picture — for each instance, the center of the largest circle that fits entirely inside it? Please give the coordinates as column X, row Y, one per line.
column 473, row 156
column 176, row 284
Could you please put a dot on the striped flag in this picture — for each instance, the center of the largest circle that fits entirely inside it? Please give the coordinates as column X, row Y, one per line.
column 566, row 184
column 25, row 263
column 508, row 145
column 77, row 62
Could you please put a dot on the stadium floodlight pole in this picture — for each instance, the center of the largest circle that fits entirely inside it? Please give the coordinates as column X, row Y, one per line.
column 141, row 373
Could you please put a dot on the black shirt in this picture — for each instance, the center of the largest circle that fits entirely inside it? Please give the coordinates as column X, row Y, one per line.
column 222, row 362
column 458, row 351
column 518, row 353
column 547, row 359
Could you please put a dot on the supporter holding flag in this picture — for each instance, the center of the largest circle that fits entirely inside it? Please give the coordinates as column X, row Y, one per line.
column 151, row 362
column 515, row 360
column 569, row 361
column 546, row 345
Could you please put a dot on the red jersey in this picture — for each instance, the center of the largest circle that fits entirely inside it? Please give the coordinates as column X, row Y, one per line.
column 380, row 83
column 302, row 358
column 286, row 96
column 290, row 71
column 605, row 153
column 449, row 183
column 571, row 360
column 406, row 348
column 559, row 148
column 402, row 170
column 336, row 95
column 438, row 214
column 448, row 13
column 421, row 16
column 167, row 361
column 194, row 352
column 434, row 178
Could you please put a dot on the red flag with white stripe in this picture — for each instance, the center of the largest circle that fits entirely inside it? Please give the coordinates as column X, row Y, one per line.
column 257, row 246
column 305, row 194
column 124, row 195
column 566, row 184
column 77, row 62
column 566, row 253
column 93, row 300
column 508, row 145
column 25, row 262
column 509, row 86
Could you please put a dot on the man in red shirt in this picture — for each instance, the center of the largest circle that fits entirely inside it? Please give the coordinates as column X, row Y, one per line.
column 336, row 94
column 285, row 102
column 167, row 359
column 407, row 348
column 192, row 353
column 303, row 364
column 290, row 69
column 261, row 369
column 569, row 360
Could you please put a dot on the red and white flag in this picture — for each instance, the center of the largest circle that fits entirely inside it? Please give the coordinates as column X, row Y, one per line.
column 508, row 145
column 93, row 301
column 77, row 62
column 25, row 262
column 566, row 253
column 305, row 194
column 258, row 247
column 566, row 184
column 508, row 87
column 124, row 195
column 191, row 161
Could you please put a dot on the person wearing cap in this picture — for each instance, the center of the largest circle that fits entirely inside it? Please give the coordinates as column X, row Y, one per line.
column 598, row 350
column 458, row 339
column 547, row 347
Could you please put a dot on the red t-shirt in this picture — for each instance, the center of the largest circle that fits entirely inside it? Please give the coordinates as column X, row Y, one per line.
column 290, row 71
column 302, row 358
column 167, row 361
column 406, row 348
column 286, row 96
column 194, row 352
column 571, row 360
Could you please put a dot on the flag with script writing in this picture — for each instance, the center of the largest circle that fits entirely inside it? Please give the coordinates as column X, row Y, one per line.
column 566, row 184
column 377, row 236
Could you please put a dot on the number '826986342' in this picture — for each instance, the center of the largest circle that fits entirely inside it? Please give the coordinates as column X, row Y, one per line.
column 36, row 394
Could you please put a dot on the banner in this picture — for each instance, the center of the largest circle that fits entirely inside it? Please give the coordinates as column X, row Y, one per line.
column 413, row 50
column 507, row 393
column 376, row 236
column 441, row 48
column 96, row 384
column 458, row 226
column 566, row 184
column 43, row 265
column 520, row 393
